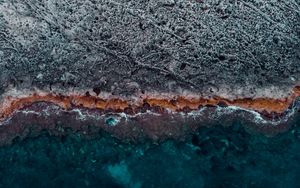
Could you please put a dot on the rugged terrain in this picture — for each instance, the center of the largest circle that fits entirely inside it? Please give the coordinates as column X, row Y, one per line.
column 232, row 48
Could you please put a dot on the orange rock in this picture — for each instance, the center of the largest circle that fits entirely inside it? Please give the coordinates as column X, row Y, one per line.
column 178, row 103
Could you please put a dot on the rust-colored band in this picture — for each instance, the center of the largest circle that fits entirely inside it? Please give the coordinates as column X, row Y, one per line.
column 178, row 103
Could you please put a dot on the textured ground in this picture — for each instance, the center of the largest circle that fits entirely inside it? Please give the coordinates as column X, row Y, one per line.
column 245, row 48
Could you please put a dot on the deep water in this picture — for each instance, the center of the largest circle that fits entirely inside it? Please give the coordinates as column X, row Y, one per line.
column 212, row 157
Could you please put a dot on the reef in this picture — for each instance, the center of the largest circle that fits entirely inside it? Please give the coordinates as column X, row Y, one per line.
column 225, row 156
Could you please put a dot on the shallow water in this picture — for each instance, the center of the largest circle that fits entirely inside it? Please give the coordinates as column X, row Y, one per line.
column 211, row 157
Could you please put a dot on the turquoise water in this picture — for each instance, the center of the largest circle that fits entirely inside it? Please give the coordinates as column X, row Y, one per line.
column 216, row 157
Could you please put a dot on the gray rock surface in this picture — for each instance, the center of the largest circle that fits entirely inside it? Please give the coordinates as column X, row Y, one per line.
column 126, row 46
